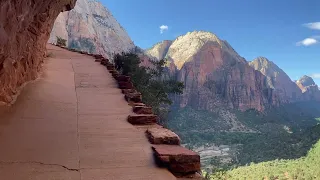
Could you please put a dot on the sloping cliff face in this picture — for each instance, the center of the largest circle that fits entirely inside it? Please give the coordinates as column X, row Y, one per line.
column 25, row 28
column 91, row 27
column 159, row 50
column 277, row 79
column 215, row 76
column 309, row 88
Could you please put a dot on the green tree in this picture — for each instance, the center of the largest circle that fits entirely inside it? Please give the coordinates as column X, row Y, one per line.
column 150, row 82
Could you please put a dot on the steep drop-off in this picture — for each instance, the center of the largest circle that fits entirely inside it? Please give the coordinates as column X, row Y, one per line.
column 25, row 28
column 91, row 27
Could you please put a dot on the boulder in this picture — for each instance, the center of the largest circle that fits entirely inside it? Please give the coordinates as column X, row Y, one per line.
column 177, row 159
column 144, row 119
column 162, row 136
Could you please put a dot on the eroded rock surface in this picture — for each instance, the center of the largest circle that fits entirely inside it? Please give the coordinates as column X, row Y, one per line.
column 214, row 74
column 91, row 27
column 278, row 80
column 309, row 88
column 25, row 27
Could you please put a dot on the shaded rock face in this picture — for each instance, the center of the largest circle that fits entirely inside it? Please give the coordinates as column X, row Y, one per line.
column 25, row 27
column 309, row 89
column 215, row 76
column 277, row 79
column 91, row 27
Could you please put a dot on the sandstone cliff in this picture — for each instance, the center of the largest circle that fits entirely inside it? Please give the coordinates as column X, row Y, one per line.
column 277, row 79
column 25, row 27
column 91, row 27
column 214, row 75
column 159, row 50
column 309, row 88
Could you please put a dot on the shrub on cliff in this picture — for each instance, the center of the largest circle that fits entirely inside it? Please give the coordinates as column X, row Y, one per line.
column 150, row 82
column 61, row 41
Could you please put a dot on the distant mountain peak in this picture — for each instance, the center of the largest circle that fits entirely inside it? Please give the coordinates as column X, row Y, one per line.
column 266, row 66
column 184, row 47
column 306, row 81
column 276, row 78
column 264, row 62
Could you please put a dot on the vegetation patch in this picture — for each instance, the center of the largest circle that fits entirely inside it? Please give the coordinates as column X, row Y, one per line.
column 61, row 41
column 84, row 44
column 303, row 168
column 286, row 132
column 150, row 82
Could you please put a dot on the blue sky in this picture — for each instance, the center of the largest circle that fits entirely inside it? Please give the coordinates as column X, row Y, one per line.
column 276, row 29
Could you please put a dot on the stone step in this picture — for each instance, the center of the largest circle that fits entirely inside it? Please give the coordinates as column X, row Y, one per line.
column 125, row 85
column 133, row 97
column 123, row 78
column 115, row 73
column 135, row 104
column 142, row 110
column 193, row 176
column 177, row 159
column 97, row 56
column 102, row 61
column 142, row 119
column 110, row 67
column 162, row 136
column 126, row 91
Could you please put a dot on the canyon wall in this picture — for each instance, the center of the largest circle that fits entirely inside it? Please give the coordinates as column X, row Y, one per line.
column 25, row 27
column 214, row 74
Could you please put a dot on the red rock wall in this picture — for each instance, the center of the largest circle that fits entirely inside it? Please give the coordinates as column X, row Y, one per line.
column 215, row 78
column 25, row 26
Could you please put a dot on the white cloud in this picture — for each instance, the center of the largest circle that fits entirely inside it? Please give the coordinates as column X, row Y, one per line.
column 315, row 76
column 307, row 42
column 314, row 25
column 163, row 28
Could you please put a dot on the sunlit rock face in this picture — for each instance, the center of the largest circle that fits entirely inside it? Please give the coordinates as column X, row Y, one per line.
column 278, row 80
column 91, row 27
column 214, row 74
column 25, row 28
column 309, row 88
